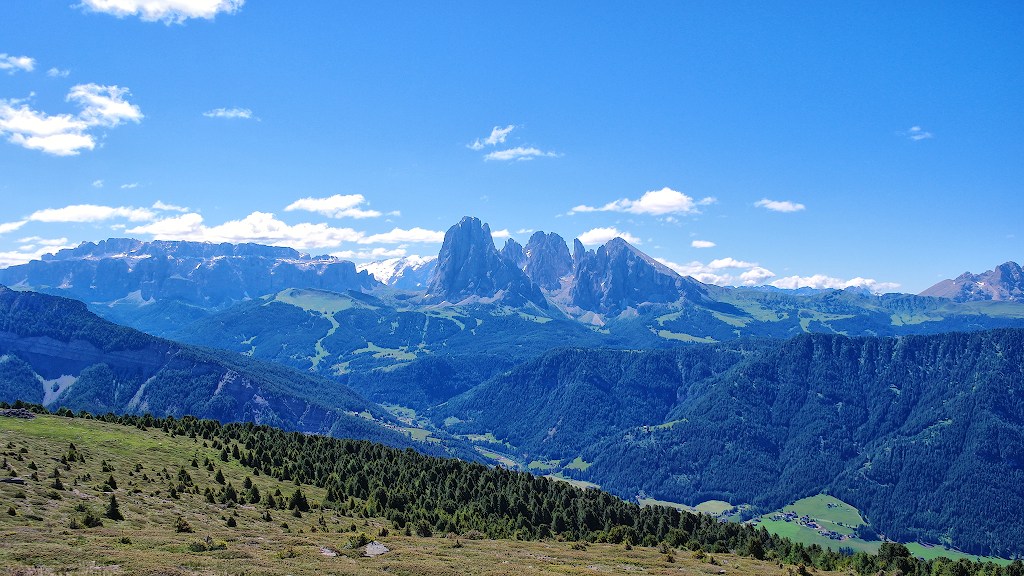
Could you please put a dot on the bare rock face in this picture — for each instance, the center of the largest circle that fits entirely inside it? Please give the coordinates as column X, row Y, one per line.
column 470, row 266
column 1005, row 282
column 618, row 276
column 513, row 253
column 200, row 273
column 548, row 260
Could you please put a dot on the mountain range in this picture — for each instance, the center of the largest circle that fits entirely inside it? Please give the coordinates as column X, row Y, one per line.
column 602, row 365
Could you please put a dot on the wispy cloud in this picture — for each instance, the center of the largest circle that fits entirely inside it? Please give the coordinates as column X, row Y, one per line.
column 915, row 133
column 399, row 236
column 65, row 134
column 229, row 113
column 132, row 185
column 91, row 213
column 786, row 206
column 97, row 184
column 524, row 231
column 603, row 235
column 497, row 136
column 43, row 241
column 167, row 10
column 15, row 63
column 822, row 281
column 702, row 244
column 57, row 73
column 375, row 254
column 519, row 153
column 336, row 206
column 716, row 272
column 158, row 205
column 17, row 257
column 657, row 202
column 11, row 226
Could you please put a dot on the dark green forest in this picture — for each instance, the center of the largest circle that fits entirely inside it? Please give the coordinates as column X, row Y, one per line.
column 925, row 434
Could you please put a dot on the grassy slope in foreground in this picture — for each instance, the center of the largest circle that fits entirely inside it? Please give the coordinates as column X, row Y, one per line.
column 315, row 543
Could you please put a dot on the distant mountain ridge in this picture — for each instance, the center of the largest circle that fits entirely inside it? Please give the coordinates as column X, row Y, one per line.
column 1005, row 283
column 407, row 273
column 198, row 273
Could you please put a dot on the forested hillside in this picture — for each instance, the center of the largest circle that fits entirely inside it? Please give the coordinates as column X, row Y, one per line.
column 54, row 351
column 924, row 433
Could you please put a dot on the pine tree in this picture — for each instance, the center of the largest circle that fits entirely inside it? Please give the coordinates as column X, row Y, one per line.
column 113, row 510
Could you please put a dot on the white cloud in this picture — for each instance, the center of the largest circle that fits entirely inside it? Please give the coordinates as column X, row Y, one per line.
column 916, row 133
column 518, row 153
column 56, row 73
column 730, row 263
column 664, row 201
column 258, row 227
column 265, row 228
column 786, row 206
column 501, row 234
column 702, row 244
column 132, row 185
column 821, row 282
column 166, row 10
column 43, row 241
column 712, row 273
column 97, row 184
column 158, row 205
column 398, row 236
column 11, row 226
column 497, row 135
column 336, row 206
column 524, row 231
column 375, row 254
column 229, row 113
column 64, row 134
column 14, row 63
column 91, row 213
column 603, row 235
column 15, row 258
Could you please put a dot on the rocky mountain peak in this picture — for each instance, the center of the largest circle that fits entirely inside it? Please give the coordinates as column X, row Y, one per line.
column 470, row 266
column 548, row 260
column 618, row 275
column 513, row 252
column 1004, row 282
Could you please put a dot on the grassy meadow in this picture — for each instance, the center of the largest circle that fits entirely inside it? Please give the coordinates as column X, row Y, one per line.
column 43, row 521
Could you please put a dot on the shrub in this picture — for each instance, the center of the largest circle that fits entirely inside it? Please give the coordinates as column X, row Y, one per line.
column 358, row 540
column 91, row 520
column 182, row 525
column 287, row 552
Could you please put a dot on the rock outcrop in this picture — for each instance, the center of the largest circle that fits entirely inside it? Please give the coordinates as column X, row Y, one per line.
column 1005, row 282
column 470, row 267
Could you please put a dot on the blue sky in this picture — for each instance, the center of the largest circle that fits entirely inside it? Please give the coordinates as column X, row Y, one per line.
column 799, row 144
